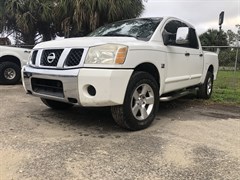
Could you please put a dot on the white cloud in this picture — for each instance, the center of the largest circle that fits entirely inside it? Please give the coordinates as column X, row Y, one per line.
column 202, row 14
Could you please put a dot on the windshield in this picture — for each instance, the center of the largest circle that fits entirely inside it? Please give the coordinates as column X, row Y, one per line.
column 142, row 29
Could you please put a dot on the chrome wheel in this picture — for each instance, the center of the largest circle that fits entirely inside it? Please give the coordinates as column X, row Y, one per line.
column 142, row 102
column 9, row 73
column 209, row 86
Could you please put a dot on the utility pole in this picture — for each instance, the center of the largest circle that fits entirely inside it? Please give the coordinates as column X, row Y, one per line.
column 238, row 39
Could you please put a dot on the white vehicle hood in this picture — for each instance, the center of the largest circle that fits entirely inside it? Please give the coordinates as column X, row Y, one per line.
column 86, row 42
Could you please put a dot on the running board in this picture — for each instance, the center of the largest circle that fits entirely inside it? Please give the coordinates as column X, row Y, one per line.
column 178, row 95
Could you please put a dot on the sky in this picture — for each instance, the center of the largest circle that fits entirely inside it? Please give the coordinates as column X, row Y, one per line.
column 203, row 14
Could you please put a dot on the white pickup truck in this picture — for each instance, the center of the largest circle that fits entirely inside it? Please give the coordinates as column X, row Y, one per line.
column 129, row 65
column 11, row 61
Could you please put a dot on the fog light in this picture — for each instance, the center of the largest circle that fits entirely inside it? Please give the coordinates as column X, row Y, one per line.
column 91, row 90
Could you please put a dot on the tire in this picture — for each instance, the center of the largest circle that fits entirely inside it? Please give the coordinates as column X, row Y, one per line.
column 56, row 104
column 205, row 90
column 140, row 105
column 10, row 73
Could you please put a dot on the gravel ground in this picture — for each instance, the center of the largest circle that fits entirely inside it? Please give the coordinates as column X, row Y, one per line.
column 188, row 140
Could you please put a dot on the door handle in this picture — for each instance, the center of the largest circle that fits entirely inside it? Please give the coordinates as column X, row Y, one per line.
column 187, row 54
column 201, row 55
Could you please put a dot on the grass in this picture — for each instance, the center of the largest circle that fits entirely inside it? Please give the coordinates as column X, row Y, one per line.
column 227, row 88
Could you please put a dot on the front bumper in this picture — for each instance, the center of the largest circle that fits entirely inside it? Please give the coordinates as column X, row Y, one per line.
column 72, row 85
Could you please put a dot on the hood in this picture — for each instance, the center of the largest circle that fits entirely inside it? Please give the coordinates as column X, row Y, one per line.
column 12, row 48
column 86, row 42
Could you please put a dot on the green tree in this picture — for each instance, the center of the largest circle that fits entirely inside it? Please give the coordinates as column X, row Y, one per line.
column 28, row 18
column 2, row 2
column 213, row 37
column 80, row 17
column 238, row 31
column 232, row 37
column 48, row 18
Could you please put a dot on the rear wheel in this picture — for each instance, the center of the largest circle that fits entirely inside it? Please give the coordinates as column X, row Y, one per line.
column 10, row 73
column 140, row 104
column 205, row 90
column 56, row 104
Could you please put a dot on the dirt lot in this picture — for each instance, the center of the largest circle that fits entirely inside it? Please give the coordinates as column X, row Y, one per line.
column 188, row 140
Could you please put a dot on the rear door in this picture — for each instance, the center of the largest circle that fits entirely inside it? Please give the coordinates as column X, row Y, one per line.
column 196, row 63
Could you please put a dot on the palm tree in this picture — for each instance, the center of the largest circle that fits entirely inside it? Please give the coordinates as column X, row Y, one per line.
column 213, row 37
column 2, row 5
column 21, row 19
column 45, row 19
column 29, row 18
column 48, row 18
column 79, row 17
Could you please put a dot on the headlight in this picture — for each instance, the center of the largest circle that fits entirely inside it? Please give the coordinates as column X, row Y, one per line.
column 30, row 59
column 107, row 54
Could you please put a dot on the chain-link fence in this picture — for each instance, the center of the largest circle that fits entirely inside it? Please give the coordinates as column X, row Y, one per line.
column 229, row 58
column 229, row 62
column 227, row 85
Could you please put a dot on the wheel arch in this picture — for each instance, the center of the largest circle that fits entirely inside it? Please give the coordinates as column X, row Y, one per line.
column 211, row 69
column 10, row 58
column 151, row 69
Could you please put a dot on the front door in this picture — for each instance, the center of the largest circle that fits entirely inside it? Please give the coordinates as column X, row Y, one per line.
column 184, row 62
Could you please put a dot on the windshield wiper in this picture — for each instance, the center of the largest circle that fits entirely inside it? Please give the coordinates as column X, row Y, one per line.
column 119, row 35
column 125, row 35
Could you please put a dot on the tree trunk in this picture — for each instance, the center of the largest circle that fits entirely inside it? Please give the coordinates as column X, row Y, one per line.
column 29, row 39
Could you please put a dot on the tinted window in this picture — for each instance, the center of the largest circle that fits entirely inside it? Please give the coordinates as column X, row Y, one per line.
column 170, row 32
column 137, row 28
column 193, row 40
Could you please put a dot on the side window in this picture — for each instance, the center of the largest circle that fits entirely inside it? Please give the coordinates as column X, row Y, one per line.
column 193, row 40
column 170, row 32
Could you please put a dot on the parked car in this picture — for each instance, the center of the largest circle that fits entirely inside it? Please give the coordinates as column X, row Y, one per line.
column 129, row 65
column 11, row 61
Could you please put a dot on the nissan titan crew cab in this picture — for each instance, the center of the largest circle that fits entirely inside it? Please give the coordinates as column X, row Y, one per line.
column 129, row 65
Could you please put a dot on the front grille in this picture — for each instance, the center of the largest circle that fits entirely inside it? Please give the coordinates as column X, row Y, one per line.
column 51, row 57
column 34, row 56
column 74, row 57
column 47, row 87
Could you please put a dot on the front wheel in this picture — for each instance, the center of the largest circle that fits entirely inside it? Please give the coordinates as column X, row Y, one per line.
column 56, row 104
column 205, row 90
column 140, row 104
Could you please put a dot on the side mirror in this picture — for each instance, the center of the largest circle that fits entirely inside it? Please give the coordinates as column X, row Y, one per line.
column 182, row 36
